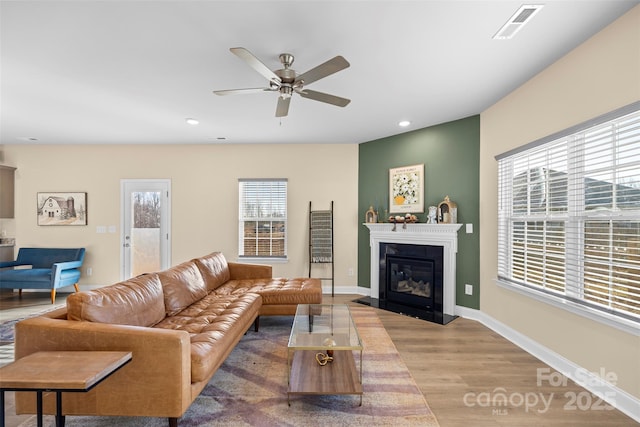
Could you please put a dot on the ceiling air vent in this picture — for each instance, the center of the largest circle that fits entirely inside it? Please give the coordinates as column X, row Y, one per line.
column 517, row 21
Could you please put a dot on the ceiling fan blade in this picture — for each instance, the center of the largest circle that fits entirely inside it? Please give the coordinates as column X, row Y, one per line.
column 242, row 91
column 324, row 97
column 323, row 70
column 255, row 63
column 282, row 109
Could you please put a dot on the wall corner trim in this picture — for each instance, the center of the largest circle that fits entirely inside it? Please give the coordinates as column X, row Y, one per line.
column 609, row 393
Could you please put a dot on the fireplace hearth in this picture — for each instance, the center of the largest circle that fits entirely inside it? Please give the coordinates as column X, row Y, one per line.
column 413, row 271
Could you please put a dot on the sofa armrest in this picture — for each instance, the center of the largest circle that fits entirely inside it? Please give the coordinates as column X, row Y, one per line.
column 67, row 265
column 239, row 271
column 157, row 381
column 57, row 269
column 7, row 264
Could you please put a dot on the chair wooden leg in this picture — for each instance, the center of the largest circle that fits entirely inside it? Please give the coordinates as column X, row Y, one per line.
column 256, row 324
column 19, row 293
column 77, row 288
column 53, row 296
column 173, row 422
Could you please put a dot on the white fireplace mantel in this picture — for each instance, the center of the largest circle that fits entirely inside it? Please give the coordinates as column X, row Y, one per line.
column 445, row 235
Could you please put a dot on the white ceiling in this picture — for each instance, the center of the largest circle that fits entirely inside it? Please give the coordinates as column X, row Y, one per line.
column 85, row 72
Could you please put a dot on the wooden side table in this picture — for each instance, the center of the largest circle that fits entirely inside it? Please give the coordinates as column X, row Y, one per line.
column 58, row 371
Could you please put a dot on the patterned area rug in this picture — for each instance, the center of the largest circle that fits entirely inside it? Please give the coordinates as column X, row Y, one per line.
column 250, row 388
column 7, row 328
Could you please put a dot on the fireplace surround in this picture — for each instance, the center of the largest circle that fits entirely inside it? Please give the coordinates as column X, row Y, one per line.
column 410, row 255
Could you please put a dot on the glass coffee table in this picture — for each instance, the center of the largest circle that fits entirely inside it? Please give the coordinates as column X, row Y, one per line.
column 320, row 353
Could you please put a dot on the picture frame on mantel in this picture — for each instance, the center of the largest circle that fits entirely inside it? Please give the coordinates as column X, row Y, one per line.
column 62, row 208
column 406, row 189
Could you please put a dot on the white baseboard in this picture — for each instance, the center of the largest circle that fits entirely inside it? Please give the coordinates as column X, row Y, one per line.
column 609, row 393
column 326, row 290
column 366, row 292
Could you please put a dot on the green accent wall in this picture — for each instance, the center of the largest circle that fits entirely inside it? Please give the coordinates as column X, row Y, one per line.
column 451, row 156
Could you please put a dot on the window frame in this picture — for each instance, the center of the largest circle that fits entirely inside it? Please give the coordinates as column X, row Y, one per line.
column 577, row 214
column 280, row 202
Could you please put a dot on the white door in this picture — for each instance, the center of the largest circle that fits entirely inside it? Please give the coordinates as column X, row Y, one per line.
column 145, row 222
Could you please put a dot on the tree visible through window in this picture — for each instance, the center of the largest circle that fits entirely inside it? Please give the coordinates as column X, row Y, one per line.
column 569, row 216
column 263, row 218
column 146, row 209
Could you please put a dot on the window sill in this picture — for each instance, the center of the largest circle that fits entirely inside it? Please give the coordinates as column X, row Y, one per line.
column 622, row 324
column 259, row 260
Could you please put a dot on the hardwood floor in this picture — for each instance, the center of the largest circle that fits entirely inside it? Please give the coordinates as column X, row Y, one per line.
column 463, row 369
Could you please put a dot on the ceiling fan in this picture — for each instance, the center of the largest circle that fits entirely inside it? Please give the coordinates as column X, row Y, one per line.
column 286, row 81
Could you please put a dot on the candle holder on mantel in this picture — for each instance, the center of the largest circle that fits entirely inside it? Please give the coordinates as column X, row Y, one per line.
column 447, row 212
column 371, row 216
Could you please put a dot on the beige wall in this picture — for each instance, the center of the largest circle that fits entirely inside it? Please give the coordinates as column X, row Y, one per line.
column 204, row 186
column 599, row 76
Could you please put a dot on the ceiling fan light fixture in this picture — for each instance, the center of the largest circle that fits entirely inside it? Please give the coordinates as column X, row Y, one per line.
column 285, row 91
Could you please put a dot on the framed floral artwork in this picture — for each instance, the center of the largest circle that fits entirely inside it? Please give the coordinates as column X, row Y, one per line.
column 406, row 189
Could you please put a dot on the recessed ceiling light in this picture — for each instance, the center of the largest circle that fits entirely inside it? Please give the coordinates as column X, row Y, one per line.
column 192, row 121
column 404, row 123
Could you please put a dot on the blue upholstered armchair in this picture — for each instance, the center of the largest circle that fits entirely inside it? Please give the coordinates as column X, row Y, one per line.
column 50, row 269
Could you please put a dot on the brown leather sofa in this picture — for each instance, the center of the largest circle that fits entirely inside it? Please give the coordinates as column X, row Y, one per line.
column 180, row 325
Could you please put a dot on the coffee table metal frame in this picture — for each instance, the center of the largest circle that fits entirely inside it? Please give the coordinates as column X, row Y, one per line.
column 318, row 328
column 58, row 371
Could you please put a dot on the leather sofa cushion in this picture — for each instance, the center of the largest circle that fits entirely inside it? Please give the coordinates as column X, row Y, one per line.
column 214, row 269
column 137, row 302
column 276, row 291
column 182, row 286
column 215, row 324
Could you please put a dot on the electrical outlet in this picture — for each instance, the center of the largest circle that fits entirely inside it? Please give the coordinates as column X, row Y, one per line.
column 468, row 289
column 89, row 271
column 350, row 272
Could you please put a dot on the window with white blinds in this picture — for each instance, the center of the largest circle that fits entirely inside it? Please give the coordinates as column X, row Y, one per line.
column 569, row 216
column 263, row 218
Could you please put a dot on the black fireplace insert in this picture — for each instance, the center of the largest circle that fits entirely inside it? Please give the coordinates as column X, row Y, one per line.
column 411, row 281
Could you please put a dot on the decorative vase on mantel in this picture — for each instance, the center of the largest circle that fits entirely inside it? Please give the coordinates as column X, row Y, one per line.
column 432, row 218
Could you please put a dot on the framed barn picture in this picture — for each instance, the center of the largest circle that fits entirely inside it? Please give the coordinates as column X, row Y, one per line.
column 62, row 208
